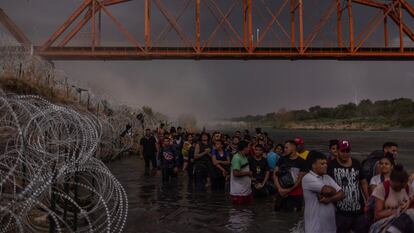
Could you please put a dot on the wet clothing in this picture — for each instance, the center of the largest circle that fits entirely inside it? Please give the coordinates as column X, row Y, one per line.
column 241, row 200
column 319, row 217
column 168, row 174
column 289, row 203
column 240, row 186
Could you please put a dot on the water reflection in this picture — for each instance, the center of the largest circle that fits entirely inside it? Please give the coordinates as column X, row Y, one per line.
column 240, row 219
column 177, row 207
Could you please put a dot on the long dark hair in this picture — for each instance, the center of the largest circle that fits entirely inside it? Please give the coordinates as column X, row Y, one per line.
column 398, row 174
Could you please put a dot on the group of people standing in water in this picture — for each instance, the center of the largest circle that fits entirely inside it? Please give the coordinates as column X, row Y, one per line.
column 337, row 192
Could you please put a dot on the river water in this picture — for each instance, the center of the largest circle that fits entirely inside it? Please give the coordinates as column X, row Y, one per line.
column 154, row 207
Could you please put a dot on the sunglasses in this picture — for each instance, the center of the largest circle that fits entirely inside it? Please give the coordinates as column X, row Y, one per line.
column 345, row 150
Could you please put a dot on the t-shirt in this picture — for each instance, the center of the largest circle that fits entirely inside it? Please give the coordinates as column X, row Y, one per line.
column 349, row 179
column 272, row 158
column 376, row 180
column 394, row 198
column 319, row 217
column 188, row 153
column 240, row 186
column 258, row 168
column 149, row 146
column 296, row 166
column 220, row 156
column 204, row 160
column 304, row 154
column 168, row 157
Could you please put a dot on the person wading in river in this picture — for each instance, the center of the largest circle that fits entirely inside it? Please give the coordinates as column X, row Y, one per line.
column 347, row 173
column 240, row 176
column 168, row 160
column 149, row 150
column 287, row 177
column 221, row 162
column 321, row 193
column 202, row 161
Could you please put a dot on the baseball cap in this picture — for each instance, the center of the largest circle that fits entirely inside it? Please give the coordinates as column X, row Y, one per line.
column 299, row 141
column 344, row 145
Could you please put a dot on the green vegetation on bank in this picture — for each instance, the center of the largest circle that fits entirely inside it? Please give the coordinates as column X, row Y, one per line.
column 367, row 115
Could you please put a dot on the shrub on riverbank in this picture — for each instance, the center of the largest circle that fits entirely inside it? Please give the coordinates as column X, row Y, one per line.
column 367, row 115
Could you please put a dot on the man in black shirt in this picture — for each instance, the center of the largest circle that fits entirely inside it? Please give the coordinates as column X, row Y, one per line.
column 347, row 173
column 290, row 168
column 149, row 150
column 260, row 169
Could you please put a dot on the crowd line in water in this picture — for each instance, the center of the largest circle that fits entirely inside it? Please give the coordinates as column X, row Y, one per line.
column 336, row 192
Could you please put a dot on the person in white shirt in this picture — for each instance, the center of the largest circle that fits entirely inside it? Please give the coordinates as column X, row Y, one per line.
column 386, row 164
column 320, row 193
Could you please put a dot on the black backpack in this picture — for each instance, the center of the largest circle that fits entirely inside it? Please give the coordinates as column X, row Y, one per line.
column 369, row 164
column 285, row 177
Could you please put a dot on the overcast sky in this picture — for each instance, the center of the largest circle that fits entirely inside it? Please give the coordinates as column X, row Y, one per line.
column 211, row 89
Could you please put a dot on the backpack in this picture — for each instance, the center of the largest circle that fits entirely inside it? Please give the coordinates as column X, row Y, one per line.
column 286, row 179
column 370, row 208
column 370, row 163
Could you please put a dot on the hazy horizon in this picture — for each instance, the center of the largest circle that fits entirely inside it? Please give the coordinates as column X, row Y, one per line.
column 221, row 88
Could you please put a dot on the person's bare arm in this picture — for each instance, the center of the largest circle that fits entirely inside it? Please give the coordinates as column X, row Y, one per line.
column 238, row 173
column 380, row 212
column 276, row 179
column 364, row 186
column 298, row 181
column 216, row 163
column 198, row 154
column 333, row 199
column 371, row 188
column 328, row 191
column 227, row 162
column 283, row 192
column 266, row 178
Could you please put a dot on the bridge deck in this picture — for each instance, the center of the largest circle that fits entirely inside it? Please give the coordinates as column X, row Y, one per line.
column 235, row 53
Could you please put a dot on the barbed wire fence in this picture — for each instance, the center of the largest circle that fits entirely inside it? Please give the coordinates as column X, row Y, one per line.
column 52, row 172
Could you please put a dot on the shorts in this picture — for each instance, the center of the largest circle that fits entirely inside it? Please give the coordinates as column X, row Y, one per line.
column 241, row 200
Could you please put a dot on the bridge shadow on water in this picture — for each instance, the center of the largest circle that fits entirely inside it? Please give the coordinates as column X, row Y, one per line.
column 176, row 207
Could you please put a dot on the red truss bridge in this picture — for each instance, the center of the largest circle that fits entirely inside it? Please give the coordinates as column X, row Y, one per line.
column 230, row 29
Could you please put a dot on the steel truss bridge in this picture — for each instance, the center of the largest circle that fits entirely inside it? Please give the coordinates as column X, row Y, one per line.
column 233, row 29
